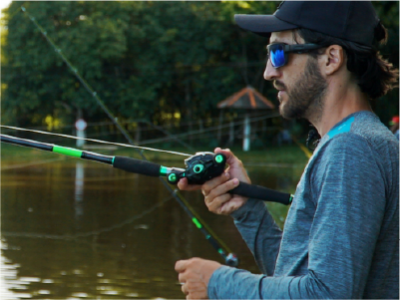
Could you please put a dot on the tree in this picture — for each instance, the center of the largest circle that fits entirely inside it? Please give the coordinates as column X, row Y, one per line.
column 143, row 58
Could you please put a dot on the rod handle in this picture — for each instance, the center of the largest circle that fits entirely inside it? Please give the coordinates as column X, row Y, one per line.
column 136, row 166
column 261, row 193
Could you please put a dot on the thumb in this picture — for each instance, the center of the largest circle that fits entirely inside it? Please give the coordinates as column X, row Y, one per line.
column 180, row 266
column 231, row 159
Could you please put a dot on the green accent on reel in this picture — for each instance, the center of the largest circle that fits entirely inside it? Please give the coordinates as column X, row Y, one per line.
column 198, row 168
column 67, row 151
column 221, row 251
column 163, row 170
column 219, row 158
column 291, row 198
column 172, row 177
column 197, row 223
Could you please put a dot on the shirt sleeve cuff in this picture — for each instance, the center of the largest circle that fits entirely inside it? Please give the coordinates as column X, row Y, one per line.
column 249, row 206
column 224, row 281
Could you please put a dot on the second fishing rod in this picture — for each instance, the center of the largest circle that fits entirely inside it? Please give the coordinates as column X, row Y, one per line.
column 222, row 249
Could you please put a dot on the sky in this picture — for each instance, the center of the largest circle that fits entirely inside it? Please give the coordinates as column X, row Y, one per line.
column 4, row 3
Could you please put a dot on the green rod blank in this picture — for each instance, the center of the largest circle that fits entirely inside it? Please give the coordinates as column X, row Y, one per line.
column 67, row 151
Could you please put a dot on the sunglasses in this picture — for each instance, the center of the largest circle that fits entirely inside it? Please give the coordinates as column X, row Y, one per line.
column 278, row 53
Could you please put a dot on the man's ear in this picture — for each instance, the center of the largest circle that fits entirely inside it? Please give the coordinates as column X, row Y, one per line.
column 333, row 59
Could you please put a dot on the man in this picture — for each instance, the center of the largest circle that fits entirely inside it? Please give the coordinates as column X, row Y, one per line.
column 341, row 236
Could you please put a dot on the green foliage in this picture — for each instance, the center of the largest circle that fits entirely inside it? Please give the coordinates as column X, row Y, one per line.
column 388, row 106
column 142, row 58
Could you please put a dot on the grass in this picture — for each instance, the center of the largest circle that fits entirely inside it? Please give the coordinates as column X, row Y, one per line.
column 288, row 154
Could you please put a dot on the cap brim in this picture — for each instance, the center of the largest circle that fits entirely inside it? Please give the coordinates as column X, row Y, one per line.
column 262, row 24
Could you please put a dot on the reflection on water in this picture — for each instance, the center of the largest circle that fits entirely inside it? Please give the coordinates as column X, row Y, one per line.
column 79, row 177
column 76, row 230
column 8, row 278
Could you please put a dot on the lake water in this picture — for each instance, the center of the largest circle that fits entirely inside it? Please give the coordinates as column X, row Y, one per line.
column 73, row 229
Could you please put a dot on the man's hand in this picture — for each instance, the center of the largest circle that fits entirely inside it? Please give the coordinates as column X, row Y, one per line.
column 194, row 274
column 215, row 191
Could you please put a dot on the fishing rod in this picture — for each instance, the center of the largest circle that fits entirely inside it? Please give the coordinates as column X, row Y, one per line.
column 134, row 166
column 94, row 140
column 200, row 168
column 227, row 255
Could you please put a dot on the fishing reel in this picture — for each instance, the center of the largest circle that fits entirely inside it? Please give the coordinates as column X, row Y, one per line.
column 200, row 168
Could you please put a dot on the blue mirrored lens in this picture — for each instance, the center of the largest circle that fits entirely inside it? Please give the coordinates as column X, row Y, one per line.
column 277, row 56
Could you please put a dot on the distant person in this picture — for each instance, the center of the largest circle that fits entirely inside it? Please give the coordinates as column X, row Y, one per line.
column 341, row 235
column 284, row 137
column 394, row 123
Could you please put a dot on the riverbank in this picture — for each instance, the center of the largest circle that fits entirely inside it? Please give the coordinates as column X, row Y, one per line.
column 285, row 156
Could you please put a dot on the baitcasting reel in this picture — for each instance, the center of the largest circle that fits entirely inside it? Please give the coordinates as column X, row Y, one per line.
column 200, row 168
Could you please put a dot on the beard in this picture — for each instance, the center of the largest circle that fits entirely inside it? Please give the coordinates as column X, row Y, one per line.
column 305, row 99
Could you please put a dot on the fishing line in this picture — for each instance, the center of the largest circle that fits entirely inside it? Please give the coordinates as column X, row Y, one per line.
column 227, row 254
column 210, row 129
column 202, row 131
column 95, row 140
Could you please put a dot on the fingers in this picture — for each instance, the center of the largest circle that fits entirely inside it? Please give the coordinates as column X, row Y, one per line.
column 231, row 159
column 194, row 290
column 220, row 195
column 228, row 207
column 194, row 286
column 180, row 265
column 184, row 289
column 182, row 278
column 236, row 168
column 195, row 274
column 183, row 185
column 216, row 193
column 213, row 183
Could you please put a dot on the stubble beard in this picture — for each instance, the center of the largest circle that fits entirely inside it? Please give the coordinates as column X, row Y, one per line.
column 306, row 98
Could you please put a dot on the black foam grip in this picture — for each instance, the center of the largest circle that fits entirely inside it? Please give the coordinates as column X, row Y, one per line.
column 136, row 166
column 260, row 193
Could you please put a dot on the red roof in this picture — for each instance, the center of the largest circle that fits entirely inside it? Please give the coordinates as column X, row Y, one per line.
column 247, row 98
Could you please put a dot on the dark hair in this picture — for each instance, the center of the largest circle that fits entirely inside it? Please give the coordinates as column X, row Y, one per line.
column 375, row 75
column 313, row 138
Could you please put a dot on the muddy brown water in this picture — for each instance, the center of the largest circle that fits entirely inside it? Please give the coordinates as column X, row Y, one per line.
column 82, row 230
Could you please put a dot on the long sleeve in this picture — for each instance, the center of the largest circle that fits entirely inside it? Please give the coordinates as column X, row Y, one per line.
column 343, row 195
column 260, row 232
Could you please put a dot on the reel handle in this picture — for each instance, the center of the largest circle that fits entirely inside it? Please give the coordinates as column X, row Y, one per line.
column 204, row 166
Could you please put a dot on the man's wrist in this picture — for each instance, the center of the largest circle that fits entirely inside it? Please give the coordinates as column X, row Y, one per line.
column 241, row 211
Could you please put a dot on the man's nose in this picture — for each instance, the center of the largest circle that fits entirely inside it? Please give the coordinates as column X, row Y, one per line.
column 270, row 72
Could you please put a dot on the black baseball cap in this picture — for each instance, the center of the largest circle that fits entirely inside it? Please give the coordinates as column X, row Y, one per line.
column 354, row 21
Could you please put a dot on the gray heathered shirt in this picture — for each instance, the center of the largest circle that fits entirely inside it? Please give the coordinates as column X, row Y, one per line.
column 341, row 236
